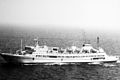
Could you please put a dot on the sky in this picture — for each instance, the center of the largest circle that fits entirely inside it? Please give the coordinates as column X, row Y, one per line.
column 84, row 14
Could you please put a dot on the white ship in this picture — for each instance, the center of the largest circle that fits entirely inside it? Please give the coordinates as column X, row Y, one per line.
column 53, row 55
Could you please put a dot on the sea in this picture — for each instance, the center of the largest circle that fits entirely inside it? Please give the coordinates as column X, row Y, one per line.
column 59, row 72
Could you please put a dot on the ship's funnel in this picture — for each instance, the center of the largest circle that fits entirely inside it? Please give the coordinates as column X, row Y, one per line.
column 36, row 42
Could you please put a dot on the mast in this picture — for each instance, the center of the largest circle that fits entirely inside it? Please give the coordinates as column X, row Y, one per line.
column 98, row 42
column 84, row 37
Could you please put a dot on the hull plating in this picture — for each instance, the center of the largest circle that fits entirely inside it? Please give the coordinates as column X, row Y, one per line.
column 30, row 59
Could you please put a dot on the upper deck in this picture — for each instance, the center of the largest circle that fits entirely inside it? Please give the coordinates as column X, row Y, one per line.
column 85, row 49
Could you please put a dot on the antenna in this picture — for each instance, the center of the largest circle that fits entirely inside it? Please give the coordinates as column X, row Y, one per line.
column 21, row 44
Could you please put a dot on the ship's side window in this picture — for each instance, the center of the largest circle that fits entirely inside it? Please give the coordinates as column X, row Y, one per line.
column 38, row 56
column 50, row 51
column 55, row 49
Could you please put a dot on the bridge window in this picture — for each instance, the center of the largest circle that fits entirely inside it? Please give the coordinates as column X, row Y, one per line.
column 93, row 51
column 85, row 51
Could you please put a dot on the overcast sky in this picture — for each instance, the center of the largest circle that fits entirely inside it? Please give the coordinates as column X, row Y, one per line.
column 86, row 14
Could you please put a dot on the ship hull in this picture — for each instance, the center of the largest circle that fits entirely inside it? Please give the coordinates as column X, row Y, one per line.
column 16, row 58
column 23, row 59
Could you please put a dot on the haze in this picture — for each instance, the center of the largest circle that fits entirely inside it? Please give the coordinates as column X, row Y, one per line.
column 80, row 14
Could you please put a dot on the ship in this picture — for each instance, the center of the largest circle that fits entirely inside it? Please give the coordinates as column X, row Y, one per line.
column 55, row 55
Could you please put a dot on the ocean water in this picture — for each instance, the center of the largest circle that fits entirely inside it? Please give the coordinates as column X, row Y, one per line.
column 56, row 72
column 59, row 72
